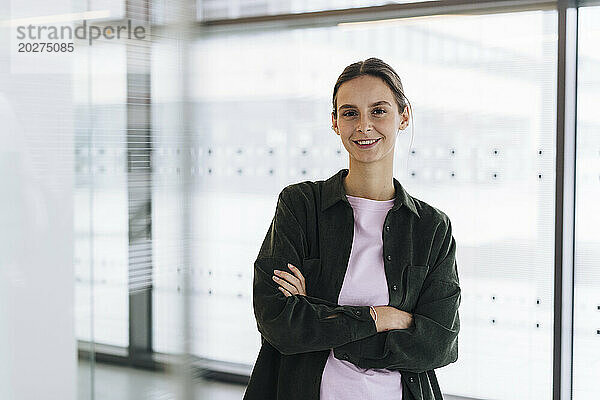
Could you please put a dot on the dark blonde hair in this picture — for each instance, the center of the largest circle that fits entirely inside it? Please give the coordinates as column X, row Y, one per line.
column 374, row 67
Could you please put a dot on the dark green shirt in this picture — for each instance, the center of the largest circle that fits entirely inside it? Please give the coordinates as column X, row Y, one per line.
column 312, row 229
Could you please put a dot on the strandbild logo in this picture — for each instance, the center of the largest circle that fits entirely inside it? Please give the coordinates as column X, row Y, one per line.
column 44, row 38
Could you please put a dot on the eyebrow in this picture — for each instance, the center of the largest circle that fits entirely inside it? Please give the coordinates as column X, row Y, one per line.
column 372, row 105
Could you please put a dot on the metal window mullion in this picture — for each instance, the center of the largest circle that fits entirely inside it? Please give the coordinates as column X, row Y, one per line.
column 333, row 17
column 139, row 189
column 565, row 200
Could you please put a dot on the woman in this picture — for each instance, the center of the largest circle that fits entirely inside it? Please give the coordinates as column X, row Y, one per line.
column 356, row 288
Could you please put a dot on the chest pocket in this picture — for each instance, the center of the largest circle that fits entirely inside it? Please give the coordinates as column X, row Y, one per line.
column 414, row 276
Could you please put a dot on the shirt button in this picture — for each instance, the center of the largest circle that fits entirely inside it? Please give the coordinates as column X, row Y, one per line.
column 394, row 287
column 389, row 258
column 387, row 228
column 411, row 379
column 357, row 312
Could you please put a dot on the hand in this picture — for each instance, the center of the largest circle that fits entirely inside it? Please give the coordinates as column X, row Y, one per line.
column 389, row 318
column 290, row 284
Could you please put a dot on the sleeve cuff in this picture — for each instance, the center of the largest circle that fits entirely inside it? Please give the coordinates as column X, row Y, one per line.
column 364, row 325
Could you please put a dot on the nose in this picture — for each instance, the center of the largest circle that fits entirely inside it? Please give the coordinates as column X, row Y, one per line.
column 364, row 124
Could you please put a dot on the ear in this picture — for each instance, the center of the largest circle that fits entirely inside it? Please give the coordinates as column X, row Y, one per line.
column 334, row 123
column 404, row 118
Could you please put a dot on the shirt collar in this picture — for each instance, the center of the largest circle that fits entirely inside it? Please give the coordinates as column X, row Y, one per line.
column 334, row 191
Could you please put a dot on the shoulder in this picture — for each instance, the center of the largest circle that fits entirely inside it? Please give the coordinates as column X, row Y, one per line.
column 433, row 218
column 430, row 211
column 302, row 194
column 435, row 226
column 304, row 189
column 304, row 201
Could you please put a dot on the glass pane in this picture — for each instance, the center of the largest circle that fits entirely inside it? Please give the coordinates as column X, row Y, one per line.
column 101, row 221
column 204, row 301
column 586, row 335
column 484, row 108
column 100, row 199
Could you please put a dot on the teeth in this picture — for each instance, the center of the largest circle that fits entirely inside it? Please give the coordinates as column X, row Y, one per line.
column 366, row 141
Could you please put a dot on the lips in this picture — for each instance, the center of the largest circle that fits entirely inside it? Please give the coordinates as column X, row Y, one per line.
column 366, row 146
column 376, row 140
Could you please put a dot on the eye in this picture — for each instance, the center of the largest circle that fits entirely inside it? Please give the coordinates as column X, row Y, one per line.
column 347, row 113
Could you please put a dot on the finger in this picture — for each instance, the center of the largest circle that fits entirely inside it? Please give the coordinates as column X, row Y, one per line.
column 289, row 277
column 297, row 272
column 288, row 286
column 285, row 292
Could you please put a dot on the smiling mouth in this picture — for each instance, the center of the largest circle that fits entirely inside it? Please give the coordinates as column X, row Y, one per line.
column 368, row 144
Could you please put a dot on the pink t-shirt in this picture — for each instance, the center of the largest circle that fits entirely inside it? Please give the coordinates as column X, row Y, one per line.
column 364, row 284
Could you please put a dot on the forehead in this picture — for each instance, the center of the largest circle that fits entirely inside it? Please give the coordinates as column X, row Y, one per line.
column 364, row 89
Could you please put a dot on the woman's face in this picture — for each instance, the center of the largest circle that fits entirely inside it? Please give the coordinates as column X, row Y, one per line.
column 367, row 109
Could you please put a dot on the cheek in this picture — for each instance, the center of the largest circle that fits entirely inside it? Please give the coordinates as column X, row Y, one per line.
column 387, row 124
column 345, row 125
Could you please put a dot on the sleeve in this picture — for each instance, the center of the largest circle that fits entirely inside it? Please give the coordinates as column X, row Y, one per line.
column 298, row 324
column 432, row 340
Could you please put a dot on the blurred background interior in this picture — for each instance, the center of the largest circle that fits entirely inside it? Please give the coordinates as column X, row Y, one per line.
column 139, row 176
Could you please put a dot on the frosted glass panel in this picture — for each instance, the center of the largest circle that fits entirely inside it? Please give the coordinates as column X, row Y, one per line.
column 586, row 335
column 482, row 150
column 38, row 348
column 100, row 198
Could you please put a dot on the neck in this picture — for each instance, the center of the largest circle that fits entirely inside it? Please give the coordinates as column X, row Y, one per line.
column 370, row 181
